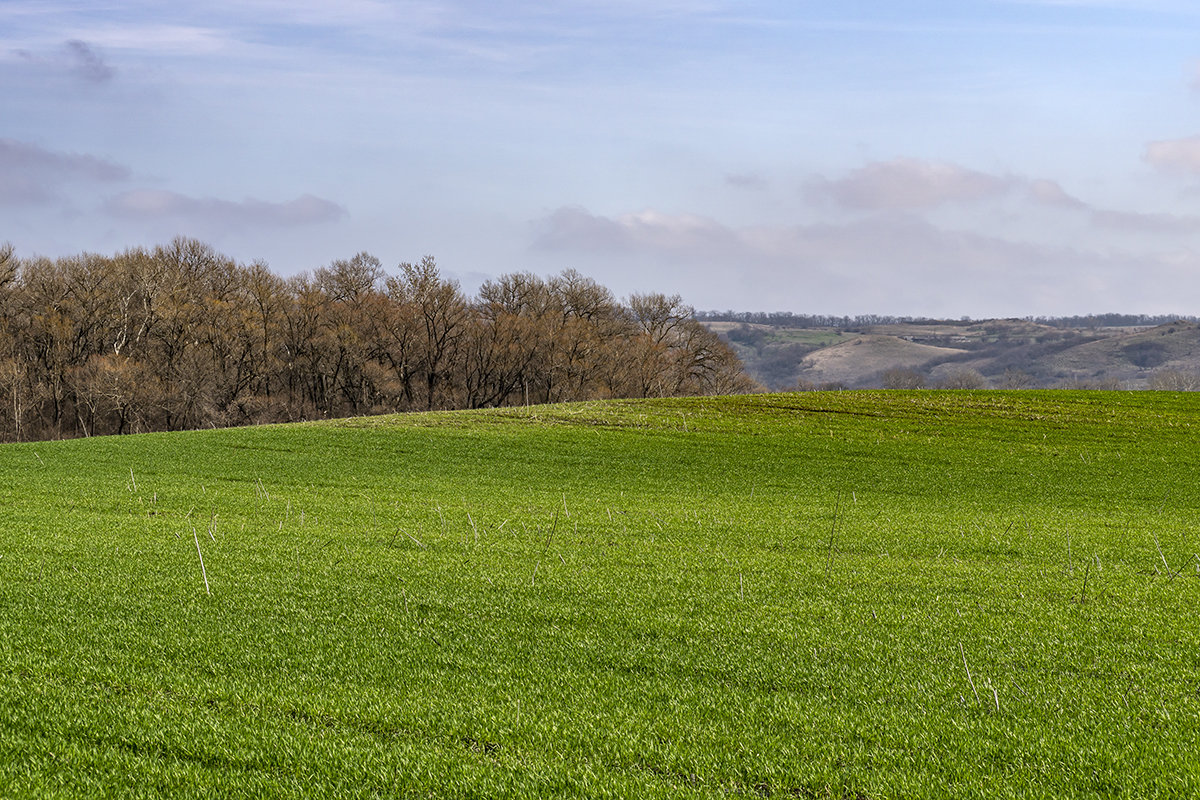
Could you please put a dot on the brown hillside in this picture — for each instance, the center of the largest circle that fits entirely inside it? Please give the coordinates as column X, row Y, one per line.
column 859, row 360
column 1129, row 357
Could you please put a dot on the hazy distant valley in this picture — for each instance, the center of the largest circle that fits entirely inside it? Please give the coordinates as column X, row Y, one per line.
column 1000, row 353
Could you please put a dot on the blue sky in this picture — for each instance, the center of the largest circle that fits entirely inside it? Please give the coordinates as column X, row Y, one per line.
column 975, row 157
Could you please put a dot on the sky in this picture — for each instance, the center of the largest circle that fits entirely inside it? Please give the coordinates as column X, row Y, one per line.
column 981, row 158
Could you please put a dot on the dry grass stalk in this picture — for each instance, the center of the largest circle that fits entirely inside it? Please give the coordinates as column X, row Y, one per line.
column 203, row 571
column 970, row 680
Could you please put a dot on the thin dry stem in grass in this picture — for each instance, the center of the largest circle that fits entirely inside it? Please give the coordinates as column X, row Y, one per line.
column 203, row 571
column 1178, row 572
column 553, row 528
column 970, row 680
column 1157, row 546
column 832, row 530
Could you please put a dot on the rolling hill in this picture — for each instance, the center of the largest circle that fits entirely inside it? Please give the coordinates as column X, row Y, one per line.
column 1000, row 353
column 818, row 594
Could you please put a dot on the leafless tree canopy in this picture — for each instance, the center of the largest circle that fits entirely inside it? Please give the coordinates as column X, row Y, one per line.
column 183, row 337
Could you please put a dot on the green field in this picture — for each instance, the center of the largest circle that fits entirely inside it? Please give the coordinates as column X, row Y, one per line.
column 847, row 594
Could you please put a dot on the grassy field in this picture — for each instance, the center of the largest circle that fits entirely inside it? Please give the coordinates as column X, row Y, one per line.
column 817, row 595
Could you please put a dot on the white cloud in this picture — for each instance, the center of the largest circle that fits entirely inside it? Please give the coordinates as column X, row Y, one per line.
column 575, row 228
column 572, row 228
column 1175, row 154
column 909, row 184
column 187, row 40
column 1051, row 193
column 893, row 264
column 896, row 240
column 160, row 204
column 916, row 186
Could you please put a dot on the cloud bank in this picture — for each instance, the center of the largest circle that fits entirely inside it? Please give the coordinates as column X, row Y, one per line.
column 893, row 263
column 909, row 184
column 1180, row 155
column 30, row 173
column 157, row 204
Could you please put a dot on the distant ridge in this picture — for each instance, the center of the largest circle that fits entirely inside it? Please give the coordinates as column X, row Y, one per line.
column 1109, row 351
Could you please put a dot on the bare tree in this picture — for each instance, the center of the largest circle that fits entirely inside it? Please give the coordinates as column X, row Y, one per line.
column 1016, row 379
column 442, row 315
column 8, row 266
column 1175, row 380
column 902, row 378
column 963, row 379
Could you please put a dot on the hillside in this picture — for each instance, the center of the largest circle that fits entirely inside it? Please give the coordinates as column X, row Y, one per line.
column 821, row 594
column 868, row 354
column 1131, row 357
column 999, row 353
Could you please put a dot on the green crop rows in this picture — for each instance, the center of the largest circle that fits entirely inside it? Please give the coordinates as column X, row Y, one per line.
column 817, row 595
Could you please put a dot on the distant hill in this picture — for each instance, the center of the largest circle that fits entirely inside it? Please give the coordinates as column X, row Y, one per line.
column 860, row 356
column 996, row 353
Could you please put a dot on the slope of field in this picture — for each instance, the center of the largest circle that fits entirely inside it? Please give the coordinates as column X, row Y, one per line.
column 926, row 594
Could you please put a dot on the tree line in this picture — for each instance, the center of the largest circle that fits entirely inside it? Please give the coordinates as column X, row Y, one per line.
column 183, row 337
column 787, row 319
column 1113, row 320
